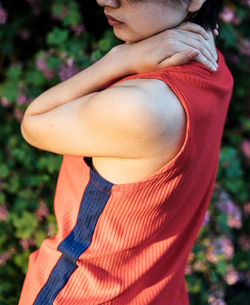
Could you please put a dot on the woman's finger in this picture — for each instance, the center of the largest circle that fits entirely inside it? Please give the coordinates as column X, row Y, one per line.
column 184, row 57
column 189, row 37
column 204, row 45
column 179, row 58
column 215, row 32
column 193, row 27
column 192, row 41
column 203, row 60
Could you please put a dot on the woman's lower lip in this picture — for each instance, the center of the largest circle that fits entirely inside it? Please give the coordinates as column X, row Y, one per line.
column 113, row 22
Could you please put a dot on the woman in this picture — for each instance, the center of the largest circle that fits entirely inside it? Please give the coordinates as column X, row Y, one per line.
column 152, row 127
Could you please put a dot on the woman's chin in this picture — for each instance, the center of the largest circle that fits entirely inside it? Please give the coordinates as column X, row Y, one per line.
column 126, row 37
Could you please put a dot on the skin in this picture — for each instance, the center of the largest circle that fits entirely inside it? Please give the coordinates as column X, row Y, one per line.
column 145, row 18
column 142, row 19
column 136, row 126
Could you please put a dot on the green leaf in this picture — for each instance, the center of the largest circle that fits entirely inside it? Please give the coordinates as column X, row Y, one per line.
column 73, row 16
column 214, row 277
column 247, row 125
column 14, row 183
column 53, row 62
column 18, row 153
column 4, row 171
column 200, row 256
column 21, row 260
column 74, row 48
column 221, row 220
column 6, row 48
column 2, row 198
column 57, row 36
column 39, row 237
column 96, row 55
column 193, row 284
column 2, row 240
column 35, row 77
column 221, row 267
column 1, row 290
column 25, row 225
column 228, row 35
column 52, row 163
column 14, row 72
column 19, row 205
column 57, row 9
column 9, row 90
column 104, row 45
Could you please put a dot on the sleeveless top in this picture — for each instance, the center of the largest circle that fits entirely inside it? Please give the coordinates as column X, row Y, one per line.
column 129, row 243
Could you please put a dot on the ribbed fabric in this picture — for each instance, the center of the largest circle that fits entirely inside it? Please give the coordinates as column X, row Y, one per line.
column 129, row 243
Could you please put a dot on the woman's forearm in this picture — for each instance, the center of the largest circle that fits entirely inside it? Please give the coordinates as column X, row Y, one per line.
column 96, row 77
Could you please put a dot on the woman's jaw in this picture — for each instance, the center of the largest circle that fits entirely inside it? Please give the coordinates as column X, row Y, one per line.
column 139, row 20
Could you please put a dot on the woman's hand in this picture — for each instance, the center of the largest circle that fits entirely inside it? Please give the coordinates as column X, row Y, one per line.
column 172, row 47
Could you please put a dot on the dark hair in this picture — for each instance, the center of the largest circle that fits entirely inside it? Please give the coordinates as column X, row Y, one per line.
column 208, row 14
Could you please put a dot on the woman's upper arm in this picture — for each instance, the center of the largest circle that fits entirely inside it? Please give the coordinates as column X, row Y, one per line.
column 116, row 122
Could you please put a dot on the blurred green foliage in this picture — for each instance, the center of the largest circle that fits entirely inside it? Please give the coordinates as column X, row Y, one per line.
column 42, row 43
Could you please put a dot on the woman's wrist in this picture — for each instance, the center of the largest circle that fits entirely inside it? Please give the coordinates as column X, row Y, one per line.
column 121, row 56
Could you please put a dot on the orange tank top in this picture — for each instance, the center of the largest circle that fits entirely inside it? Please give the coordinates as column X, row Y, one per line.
column 129, row 243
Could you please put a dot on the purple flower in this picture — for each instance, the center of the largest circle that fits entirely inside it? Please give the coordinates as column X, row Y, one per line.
column 211, row 254
column 26, row 243
column 21, row 99
column 42, row 211
column 244, row 48
column 231, row 276
column 48, row 73
column 228, row 15
column 225, row 246
column 3, row 212
column 78, row 29
column 245, row 145
column 41, row 64
column 4, row 257
column 244, row 242
column 216, row 296
column 206, row 219
column 3, row 15
column 4, row 102
column 234, row 214
column 216, row 301
column 68, row 70
column 18, row 114
column 234, row 219
column 188, row 269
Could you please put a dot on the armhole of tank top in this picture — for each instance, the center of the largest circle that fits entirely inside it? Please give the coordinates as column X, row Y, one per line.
column 167, row 169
